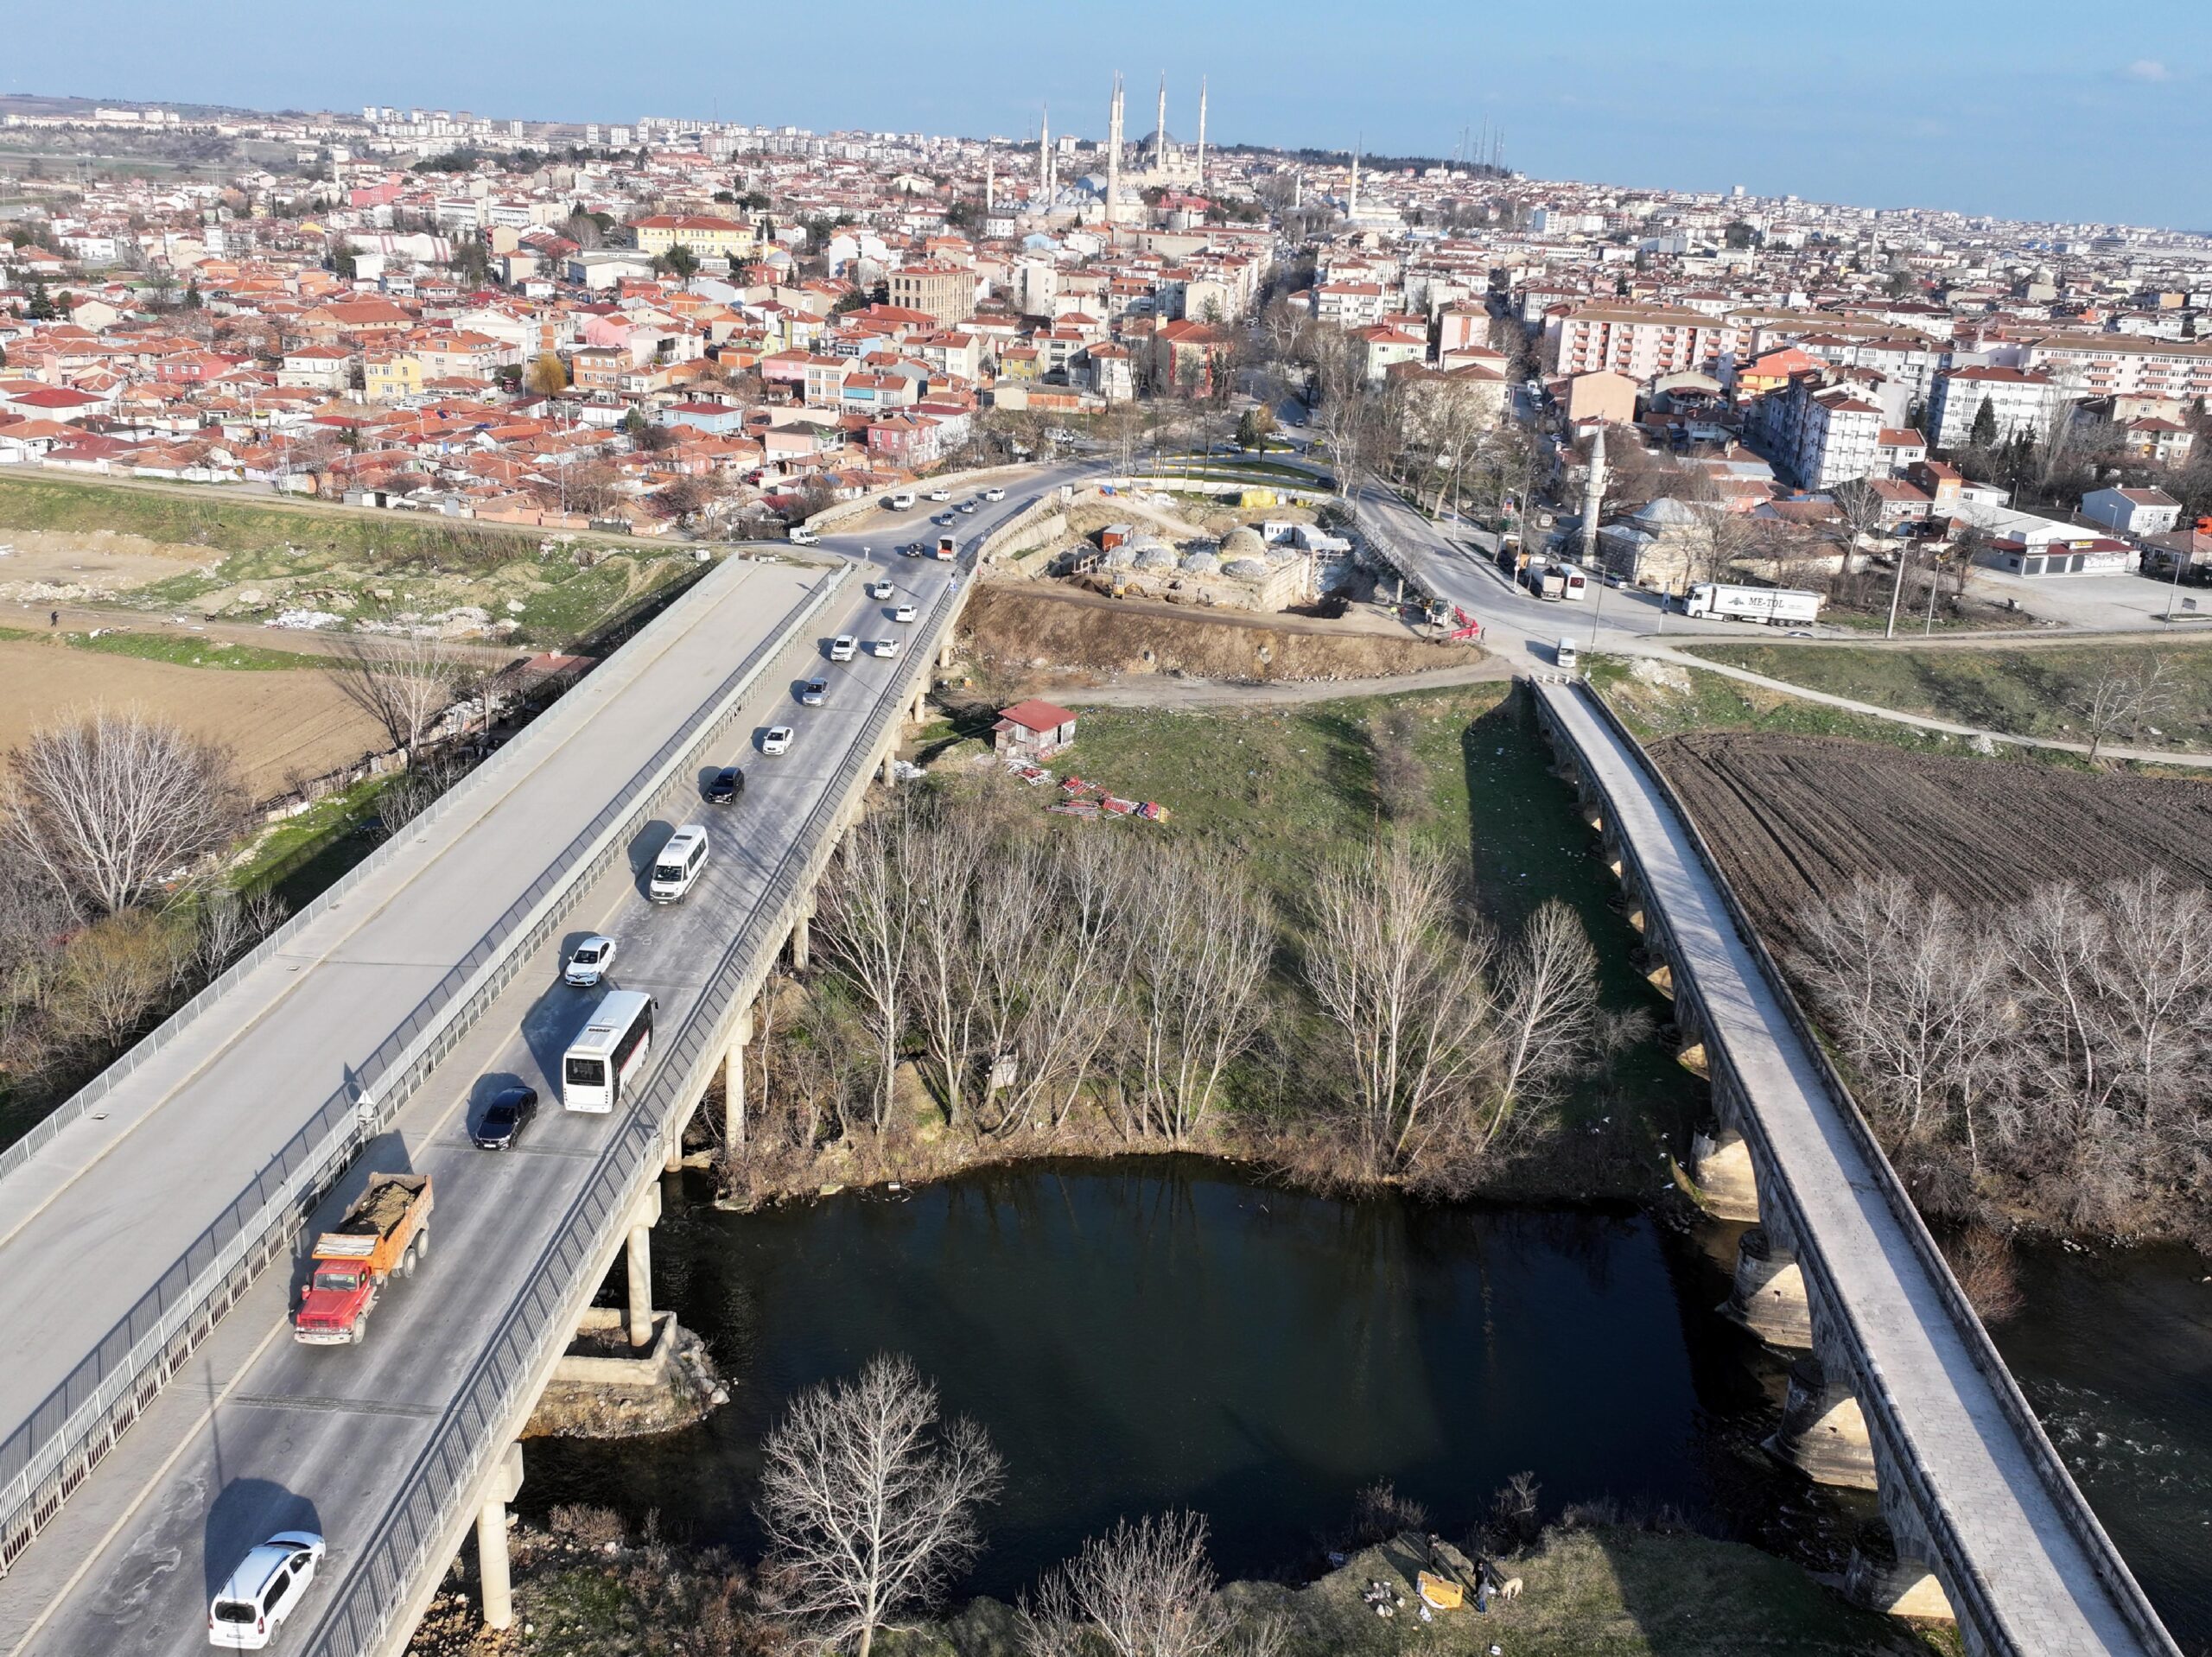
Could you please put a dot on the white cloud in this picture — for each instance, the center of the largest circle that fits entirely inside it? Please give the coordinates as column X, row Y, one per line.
column 2149, row 69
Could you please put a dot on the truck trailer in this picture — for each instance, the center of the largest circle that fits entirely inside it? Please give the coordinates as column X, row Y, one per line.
column 1777, row 606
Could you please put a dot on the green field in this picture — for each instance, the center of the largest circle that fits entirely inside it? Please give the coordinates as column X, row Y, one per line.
column 2038, row 692
column 1662, row 700
column 183, row 650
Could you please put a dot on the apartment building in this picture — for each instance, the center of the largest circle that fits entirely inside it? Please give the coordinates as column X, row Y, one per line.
column 1821, row 435
column 2020, row 401
column 704, row 234
column 946, row 292
column 1641, row 341
column 2117, row 364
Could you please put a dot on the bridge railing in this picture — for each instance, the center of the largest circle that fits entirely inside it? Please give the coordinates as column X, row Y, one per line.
column 1933, row 1506
column 45, row 1458
column 416, row 1530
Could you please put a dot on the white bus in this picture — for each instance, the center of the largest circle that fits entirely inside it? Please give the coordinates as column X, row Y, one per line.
column 608, row 1052
column 1575, row 586
column 676, row 864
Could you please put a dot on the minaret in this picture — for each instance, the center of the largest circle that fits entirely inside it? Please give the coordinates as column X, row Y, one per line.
column 1593, row 496
column 1351, row 200
column 1159, row 130
column 1044, row 155
column 1202, row 132
column 990, row 184
column 1114, row 155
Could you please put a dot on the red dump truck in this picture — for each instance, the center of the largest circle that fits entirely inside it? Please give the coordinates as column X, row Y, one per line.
column 387, row 1229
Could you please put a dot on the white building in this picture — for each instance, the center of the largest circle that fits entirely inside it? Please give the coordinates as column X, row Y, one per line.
column 2020, row 401
column 2135, row 512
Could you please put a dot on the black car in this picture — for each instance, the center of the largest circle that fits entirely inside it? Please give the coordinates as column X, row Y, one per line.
column 729, row 782
column 505, row 1117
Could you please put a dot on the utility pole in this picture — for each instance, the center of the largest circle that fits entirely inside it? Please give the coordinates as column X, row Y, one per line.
column 1897, row 587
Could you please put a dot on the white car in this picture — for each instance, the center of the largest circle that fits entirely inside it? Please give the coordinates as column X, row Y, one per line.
column 778, row 740
column 994, row 494
column 905, row 612
column 878, row 589
column 940, row 494
column 842, row 647
column 592, row 960
column 883, row 647
column 265, row 1589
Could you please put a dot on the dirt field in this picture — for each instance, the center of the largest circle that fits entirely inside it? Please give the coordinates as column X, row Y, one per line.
column 41, row 567
column 277, row 723
column 1026, row 628
column 1795, row 818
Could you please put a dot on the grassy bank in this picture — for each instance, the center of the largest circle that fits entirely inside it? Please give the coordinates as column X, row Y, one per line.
column 1603, row 1591
column 2041, row 692
column 1659, row 699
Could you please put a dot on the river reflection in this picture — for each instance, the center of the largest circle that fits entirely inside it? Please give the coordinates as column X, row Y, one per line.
column 1153, row 1332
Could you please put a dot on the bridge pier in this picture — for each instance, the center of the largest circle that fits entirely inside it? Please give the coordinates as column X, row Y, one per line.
column 919, row 712
column 494, row 1578
column 1882, row 1578
column 802, row 938
column 638, row 1252
column 1823, row 1434
column 1726, row 1182
column 734, row 1084
column 1769, row 1298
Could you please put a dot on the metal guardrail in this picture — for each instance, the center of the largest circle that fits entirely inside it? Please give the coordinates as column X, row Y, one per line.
column 47, row 1456
column 2134, row 1606
column 418, row 1523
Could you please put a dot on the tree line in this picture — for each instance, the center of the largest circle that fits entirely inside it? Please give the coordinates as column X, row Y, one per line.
column 2044, row 1062
column 1052, row 982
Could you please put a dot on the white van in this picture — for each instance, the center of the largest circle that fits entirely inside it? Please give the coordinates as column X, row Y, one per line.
column 1563, row 653
column 902, row 500
column 678, row 865
column 803, row 537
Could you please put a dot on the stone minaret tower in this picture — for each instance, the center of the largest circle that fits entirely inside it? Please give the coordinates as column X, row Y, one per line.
column 1045, row 156
column 1593, row 496
column 1159, row 130
column 1201, row 174
column 1351, row 197
column 1114, row 156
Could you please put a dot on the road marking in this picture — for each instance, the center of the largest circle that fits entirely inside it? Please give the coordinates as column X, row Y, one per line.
column 158, row 1478
column 332, row 1406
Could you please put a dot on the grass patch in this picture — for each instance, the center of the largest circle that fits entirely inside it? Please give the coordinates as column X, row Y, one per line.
column 2039, row 692
column 303, row 856
column 1603, row 1592
column 1661, row 700
column 181, row 650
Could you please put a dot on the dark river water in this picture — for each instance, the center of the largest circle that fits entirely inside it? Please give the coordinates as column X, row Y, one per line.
column 1158, row 1332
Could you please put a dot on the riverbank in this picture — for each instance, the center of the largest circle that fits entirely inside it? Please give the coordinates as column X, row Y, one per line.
column 587, row 1589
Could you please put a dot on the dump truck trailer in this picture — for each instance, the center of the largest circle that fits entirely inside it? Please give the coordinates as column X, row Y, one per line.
column 385, row 1230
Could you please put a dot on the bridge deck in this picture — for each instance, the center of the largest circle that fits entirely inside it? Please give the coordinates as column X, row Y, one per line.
column 2040, row 1574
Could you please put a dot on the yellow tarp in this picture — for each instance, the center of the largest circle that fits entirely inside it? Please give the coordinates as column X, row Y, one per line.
column 1441, row 1595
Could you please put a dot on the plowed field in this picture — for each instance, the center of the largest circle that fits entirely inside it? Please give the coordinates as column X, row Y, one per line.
column 1795, row 818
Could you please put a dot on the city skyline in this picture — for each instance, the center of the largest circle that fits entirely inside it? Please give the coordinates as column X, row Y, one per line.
column 2024, row 111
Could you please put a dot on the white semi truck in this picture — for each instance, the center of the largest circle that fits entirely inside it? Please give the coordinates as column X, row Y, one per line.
column 1777, row 606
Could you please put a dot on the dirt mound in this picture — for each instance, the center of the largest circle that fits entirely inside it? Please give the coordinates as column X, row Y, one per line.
column 1015, row 628
column 1796, row 819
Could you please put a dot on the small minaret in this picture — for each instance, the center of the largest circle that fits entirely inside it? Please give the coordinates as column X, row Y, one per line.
column 1044, row 155
column 990, row 184
column 1352, row 198
column 1593, row 496
column 1159, row 130
column 1114, row 155
column 1201, row 173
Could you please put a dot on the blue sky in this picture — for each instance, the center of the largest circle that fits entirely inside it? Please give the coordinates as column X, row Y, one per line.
column 2028, row 108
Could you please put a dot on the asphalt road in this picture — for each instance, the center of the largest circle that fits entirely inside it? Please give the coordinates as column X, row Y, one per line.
column 287, row 1435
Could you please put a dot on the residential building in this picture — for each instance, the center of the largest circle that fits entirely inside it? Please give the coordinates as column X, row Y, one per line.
column 946, row 292
column 1641, row 341
column 705, row 236
column 2022, row 402
column 2132, row 512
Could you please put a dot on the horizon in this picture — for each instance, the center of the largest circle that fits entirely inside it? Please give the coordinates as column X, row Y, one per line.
column 1834, row 122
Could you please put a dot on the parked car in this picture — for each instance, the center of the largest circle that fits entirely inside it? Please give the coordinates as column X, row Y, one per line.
column 593, row 959
column 905, row 612
column 878, row 589
column 842, row 647
column 505, row 1118
column 811, row 693
column 885, row 648
column 778, row 740
column 266, row 1588
column 724, row 787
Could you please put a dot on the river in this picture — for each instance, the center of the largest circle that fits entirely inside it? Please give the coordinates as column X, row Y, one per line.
column 1156, row 1332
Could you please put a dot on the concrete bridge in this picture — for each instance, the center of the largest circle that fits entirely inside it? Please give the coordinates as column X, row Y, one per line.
column 153, row 1234
column 1897, row 1389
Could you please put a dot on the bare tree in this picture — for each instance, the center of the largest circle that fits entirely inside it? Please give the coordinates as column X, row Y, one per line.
column 230, row 923
column 1146, row 1589
column 403, row 682
column 1406, row 989
column 868, row 1503
column 1197, row 952
column 1548, row 1006
column 113, row 975
column 114, row 805
column 865, row 929
column 2127, row 697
